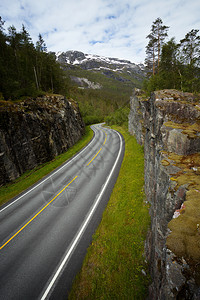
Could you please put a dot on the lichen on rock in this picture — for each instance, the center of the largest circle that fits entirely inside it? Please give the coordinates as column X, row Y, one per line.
column 168, row 124
column 35, row 131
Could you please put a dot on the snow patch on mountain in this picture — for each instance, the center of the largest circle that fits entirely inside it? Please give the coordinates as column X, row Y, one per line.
column 96, row 62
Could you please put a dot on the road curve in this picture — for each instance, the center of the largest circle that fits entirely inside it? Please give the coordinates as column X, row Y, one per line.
column 45, row 232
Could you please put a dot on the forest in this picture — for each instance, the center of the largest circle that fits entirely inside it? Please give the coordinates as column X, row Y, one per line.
column 172, row 65
column 27, row 69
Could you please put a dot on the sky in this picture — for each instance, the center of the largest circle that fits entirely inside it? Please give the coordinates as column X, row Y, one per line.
column 111, row 28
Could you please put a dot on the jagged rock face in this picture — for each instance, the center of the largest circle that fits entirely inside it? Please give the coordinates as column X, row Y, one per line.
column 71, row 57
column 136, row 120
column 35, row 131
column 168, row 124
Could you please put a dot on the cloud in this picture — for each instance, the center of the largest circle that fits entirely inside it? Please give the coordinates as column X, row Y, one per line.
column 109, row 28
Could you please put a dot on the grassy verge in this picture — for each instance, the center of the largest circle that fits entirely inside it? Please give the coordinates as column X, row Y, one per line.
column 114, row 265
column 30, row 177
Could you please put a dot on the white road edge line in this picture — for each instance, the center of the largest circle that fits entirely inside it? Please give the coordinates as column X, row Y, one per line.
column 76, row 155
column 82, row 228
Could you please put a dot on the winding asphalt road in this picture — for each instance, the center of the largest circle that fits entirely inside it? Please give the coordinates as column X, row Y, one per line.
column 45, row 232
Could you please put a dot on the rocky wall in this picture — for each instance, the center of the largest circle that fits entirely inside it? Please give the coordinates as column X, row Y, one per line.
column 33, row 132
column 168, row 124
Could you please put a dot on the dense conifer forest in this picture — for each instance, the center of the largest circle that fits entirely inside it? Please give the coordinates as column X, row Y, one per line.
column 172, row 65
column 27, row 69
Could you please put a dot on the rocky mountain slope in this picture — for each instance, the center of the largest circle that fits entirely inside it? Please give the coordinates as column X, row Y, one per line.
column 120, row 70
column 168, row 124
column 35, row 131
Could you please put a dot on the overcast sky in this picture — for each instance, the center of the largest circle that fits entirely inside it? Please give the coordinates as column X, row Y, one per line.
column 113, row 28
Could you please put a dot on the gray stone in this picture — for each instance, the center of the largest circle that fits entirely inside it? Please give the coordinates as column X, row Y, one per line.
column 166, row 123
column 35, row 131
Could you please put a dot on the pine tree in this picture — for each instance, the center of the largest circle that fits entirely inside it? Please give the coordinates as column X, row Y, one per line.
column 39, row 69
column 170, row 66
column 3, row 59
column 40, row 44
column 151, row 52
column 190, row 46
column 156, row 39
column 27, row 55
column 190, row 60
column 25, row 69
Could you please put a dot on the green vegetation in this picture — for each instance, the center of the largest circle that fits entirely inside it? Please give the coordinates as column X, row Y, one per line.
column 119, row 117
column 96, row 105
column 25, row 69
column 30, row 177
column 172, row 65
column 114, row 264
column 28, row 70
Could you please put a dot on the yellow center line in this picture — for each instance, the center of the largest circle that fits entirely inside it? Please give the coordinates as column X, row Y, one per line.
column 99, row 150
column 105, row 139
column 12, row 237
column 94, row 157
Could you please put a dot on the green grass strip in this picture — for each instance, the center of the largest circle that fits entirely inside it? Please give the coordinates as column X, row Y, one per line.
column 114, row 265
column 10, row 190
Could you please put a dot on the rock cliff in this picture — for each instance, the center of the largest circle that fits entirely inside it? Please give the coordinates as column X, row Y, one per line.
column 168, row 124
column 35, row 131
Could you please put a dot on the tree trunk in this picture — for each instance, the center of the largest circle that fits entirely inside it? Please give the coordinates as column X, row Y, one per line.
column 36, row 80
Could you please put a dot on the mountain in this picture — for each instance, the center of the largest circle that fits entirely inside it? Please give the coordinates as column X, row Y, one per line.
column 117, row 69
column 91, row 62
column 102, row 86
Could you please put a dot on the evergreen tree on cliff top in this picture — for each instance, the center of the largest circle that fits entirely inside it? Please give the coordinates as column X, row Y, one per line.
column 153, row 49
column 172, row 65
column 190, row 46
column 190, row 60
